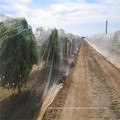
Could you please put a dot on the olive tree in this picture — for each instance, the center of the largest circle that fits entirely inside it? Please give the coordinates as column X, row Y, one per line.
column 53, row 48
column 17, row 56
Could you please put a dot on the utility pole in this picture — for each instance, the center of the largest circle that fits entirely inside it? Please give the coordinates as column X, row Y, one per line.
column 107, row 26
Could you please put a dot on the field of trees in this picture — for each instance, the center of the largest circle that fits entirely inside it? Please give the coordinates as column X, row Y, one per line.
column 30, row 65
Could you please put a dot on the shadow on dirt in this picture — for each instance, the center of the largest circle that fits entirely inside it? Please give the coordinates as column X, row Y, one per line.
column 24, row 106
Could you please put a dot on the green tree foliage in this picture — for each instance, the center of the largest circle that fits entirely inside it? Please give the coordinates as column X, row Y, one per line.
column 53, row 48
column 17, row 57
column 67, row 41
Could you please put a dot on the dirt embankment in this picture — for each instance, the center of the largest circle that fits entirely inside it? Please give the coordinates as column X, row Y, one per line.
column 91, row 90
column 62, row 95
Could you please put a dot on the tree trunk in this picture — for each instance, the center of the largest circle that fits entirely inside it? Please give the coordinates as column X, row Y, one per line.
column 21, row 84
column 19, row 88
column 45, row 64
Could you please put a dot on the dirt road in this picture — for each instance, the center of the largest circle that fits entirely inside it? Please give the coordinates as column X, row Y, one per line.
column 91, row 90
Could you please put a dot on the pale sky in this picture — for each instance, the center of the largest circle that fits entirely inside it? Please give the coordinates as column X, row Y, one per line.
column 81, row 17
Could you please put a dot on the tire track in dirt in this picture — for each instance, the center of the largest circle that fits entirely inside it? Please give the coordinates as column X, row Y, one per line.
column 105, row 97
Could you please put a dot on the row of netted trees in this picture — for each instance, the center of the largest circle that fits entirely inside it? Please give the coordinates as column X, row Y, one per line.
column 19, row 51
column 56, row 46
column 18, row 55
